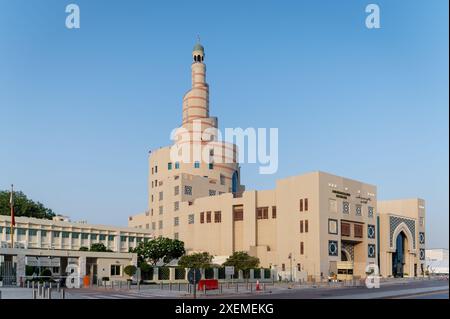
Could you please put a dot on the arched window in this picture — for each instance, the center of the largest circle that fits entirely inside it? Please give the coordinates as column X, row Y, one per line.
column 195, row 58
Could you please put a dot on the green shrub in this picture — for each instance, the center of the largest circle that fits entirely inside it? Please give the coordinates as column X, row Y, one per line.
column 130, row 270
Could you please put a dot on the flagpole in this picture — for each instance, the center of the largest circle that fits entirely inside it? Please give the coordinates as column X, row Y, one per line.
column 11, row 204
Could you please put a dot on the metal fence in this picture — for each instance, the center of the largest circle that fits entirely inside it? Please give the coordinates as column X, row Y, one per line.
column 8, row 274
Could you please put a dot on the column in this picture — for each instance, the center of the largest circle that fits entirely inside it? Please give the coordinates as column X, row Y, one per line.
column 81, row 269
column 171, row 274
column 20, row 269
column 216, row 273
column 155, row 273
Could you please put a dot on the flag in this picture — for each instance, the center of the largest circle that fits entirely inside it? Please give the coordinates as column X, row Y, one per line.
column 11, row 204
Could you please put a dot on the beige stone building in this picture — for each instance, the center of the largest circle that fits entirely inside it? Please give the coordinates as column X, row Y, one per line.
column 402, row 244
column 308, row 226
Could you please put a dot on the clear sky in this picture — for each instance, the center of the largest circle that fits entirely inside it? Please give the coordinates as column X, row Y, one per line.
column 80, row 109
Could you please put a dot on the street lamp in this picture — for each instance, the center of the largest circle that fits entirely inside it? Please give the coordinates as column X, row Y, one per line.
column 290, row 261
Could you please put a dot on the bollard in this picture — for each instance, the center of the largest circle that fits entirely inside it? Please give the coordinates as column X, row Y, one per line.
column 264, row 286
column 251, row 287
column 0, row 294
column 221, row 288
column 179, row 286
column 161, row 285
column 33, row 294
column 170, row 286
column 204, row 289
column 139, row 285
column 237, row 287
column 120, row 285
column 43, row 293
column 39, row 289
column 28, row 284
column 112, row 284
column 129, row 284
column 32, row 284
column 49, row 293
column 57, row 286
column 63, row 293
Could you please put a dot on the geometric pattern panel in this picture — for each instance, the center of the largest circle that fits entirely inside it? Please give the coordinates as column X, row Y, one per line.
column 346, row 207
column 371, row 251
column 422, row 254
column 421, row 238
column 333, row 248
column 394, row 221
column 371, row 231
column 349, row 247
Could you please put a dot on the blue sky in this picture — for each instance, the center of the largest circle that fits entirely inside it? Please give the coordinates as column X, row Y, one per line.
column 80, row 109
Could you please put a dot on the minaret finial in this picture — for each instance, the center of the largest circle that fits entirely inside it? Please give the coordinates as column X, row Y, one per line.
column 198, row 38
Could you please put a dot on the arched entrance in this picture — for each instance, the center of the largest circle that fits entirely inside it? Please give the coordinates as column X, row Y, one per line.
column 398, row 257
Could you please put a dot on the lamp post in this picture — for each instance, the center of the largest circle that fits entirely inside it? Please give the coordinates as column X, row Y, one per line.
column 290, row 262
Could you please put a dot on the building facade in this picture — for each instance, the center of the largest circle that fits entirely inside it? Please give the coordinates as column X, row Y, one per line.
column 402, row 244
column 62, row 234
column 310, row 226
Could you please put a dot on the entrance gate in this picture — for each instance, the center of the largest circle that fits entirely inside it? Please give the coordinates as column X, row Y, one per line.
column 8, row 274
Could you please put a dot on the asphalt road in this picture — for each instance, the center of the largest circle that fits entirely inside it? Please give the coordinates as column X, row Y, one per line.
column 361, row 292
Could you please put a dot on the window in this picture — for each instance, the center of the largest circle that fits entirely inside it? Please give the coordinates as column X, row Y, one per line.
column 208, row 217
column 299, row 267
column 156, row 182
column 187, row 190
column 238, row 213
column 301, row 205
column 202, row 218
column 177, row 165
column 176, row 221
column 156, row 169
column 176, row 190
column 222, row 180
column 176, row 206
column 75, row 235
column 332, row 205
column 422, row 238
column 211, row 166
column 147, row 226
column 160, row 224
column 301, row 226
column 302, row 248
column 421, row 221
column 93, row 236
column 212, row 192
column 345, row 207
column 161, row 195
column 332, row 226
column 21, row 231
column 262, row 213
column 153, row 226
column 306, row 204
column 152, row 198
column 274, row 212
column 370, row 211
column 102, row 237
column 65, row 234
column 358, row 228
column 306, row 226
column 115, row 270
column 175, row 236
column 131, row 239
column 32, row 232
column 345, row 229
column 43, row 233
column 283, row 267
column 197, row 164
column 169, row 166
column 358, row 210
column 123, row 239
column 153, row 171
column 218, row 217
column 160, row 210
column 191, row 219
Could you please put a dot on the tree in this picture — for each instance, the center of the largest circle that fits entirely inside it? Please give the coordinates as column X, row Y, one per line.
column 197, row 260
column 83, row 248
column 159, row 249
column 99, row 247
column 23, row 206
column 242, row 261
column 130, row 270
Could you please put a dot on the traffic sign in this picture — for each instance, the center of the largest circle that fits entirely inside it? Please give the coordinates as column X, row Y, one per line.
column 194, row 276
